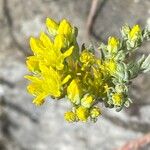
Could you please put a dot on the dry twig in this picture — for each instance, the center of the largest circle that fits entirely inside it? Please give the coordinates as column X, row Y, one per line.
column 91, row 16
column 137, row 143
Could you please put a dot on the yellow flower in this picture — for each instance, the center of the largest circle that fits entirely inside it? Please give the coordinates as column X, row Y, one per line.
column 49, row 84
column 135, row 32
column 59, row 69
column 87, row 101
column 63, row 28
column 117, row 99
column 49, row 53
column 82, row 113
column 113, row 44
column 49, row 56
column 70, row 116
column 73, row 92
column 95, row 112
column 86, row 57
column 110, row 66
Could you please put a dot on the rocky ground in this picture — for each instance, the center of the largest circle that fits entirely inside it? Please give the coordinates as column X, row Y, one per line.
column 26, row 127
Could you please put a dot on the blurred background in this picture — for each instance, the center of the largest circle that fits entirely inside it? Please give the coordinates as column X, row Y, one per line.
column 26, row 127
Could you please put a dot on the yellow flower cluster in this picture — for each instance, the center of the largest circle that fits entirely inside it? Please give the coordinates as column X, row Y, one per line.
column 134, row 32
column 113, row 44
column 59, row 69
column 47, row 64
column 82, row 113
column 117, row 99
column 133, row 36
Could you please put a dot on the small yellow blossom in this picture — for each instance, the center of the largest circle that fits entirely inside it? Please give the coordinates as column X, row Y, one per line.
column 70, row 116
column 82, row 113
column 49, row 53
column 63, row 28
column 87, row 101
column 113, row 44
column 48, row 84
column 117, row 99
column 110, row 66
column 135, row 31
column 86, row 57
column 95, row 112
column 73, row 92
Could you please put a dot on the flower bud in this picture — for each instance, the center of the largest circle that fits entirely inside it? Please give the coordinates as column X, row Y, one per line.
column 82, row 113
column 95, row 112
column 87, row 101
column 113, row 45
column 70, row 116
column 117, row 99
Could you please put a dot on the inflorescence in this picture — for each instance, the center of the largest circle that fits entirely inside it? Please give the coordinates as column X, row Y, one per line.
column 60, row 69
